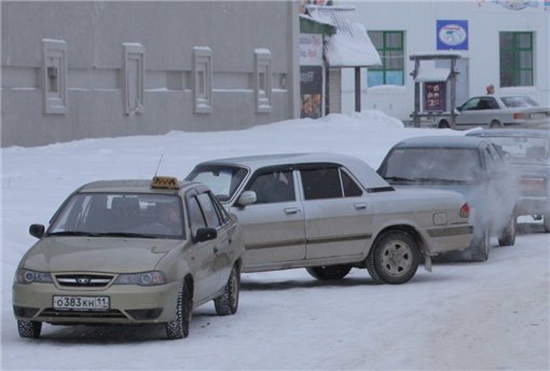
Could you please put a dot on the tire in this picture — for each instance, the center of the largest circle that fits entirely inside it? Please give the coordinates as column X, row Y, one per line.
column 29, row 329
column 394, row 258
column 546, row 222
column 495, row 124
column 228, row 302
column 178, row 328
column 443, row 124
column 480, row 246
column 508, row 236
column 329, row 272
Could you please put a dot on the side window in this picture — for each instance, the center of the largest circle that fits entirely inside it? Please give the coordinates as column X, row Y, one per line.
column 273, row 186
column 196, row 218
column 321, row 183
column 209, row 211
column 222, row 213
column 351, row 189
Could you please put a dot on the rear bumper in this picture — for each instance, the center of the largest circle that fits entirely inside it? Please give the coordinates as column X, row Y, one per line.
column 450, row 238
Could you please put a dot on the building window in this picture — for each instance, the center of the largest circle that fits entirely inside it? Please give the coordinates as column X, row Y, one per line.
column 263, row 80
column 134, row 76
column 389, row 45
column 55, row 76
column 202, row 72
column 516, row 59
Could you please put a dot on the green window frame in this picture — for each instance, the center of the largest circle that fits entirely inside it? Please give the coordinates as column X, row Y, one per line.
column 390, row 47
column 516, row 59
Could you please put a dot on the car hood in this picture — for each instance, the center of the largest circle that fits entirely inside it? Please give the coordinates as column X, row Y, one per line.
column 98, row 254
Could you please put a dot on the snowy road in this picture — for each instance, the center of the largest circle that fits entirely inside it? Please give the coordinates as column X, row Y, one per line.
column 491, row 315
column 462, row 316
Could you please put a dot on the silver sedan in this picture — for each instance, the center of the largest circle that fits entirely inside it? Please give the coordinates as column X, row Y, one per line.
column 330, row 213
column 497, row 111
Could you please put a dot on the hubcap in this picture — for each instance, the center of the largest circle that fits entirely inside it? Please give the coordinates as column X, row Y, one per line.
column 396, row 258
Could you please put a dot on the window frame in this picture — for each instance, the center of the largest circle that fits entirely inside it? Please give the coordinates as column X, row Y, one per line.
column 516, row 61
column 385, row 51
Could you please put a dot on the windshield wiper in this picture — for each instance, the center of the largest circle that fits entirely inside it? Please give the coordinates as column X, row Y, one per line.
column 72, row 233
column 398, row 179
column 425, row 180
column 125, row 234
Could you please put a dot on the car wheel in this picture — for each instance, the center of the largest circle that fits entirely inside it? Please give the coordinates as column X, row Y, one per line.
column 444, row 124
column 178, row 328
column 480, row 246
column 508, row 236
column 546, row 222
column 495, row 124
column 329, row 272
column 394, row 258
column 29, row 329
column 228, row 302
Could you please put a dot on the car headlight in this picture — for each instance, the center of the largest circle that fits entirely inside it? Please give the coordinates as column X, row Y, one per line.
column 26, row 277
column 152, row 278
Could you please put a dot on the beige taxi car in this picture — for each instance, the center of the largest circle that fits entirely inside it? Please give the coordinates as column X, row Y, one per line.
column 330, row 213
column 130, row 252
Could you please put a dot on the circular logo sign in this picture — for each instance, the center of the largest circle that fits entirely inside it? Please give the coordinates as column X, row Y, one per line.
column 452, row 34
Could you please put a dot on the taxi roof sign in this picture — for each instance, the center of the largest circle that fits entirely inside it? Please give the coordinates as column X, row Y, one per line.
column 165, row 182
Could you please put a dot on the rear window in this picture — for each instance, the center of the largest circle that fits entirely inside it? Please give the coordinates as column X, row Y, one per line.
column 433, row 164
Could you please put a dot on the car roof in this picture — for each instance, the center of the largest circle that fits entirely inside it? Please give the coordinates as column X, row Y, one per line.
column 441, row 141
column 360, row 169
column 509, row 133
column 132, row 186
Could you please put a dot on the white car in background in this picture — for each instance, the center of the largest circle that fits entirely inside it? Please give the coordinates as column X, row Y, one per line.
column 330, row 213
column 497, row 111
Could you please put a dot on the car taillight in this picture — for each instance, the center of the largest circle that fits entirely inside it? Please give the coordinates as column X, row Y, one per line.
column 519, row 116
column 464, row 211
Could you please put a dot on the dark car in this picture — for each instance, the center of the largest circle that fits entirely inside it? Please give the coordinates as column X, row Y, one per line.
column 528, row 152
column 471, row 166
column 498, row 111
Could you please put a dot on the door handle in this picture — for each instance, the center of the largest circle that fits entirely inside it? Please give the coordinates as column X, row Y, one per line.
column 360, row 206
column 291, row 210
column 216, row 251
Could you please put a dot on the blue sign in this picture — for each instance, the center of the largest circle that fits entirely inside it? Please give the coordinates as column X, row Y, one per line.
column 452, row 35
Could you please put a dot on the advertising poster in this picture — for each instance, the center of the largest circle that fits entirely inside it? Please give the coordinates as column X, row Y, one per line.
column 311, row 91
column 434, row 97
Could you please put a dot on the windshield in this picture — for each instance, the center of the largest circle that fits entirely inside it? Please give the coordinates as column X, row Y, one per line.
column 516, row 149
column 432, row 165
column 120, row 214
column 223, row 180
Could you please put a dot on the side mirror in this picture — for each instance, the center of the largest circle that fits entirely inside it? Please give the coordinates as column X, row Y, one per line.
column 247, row 198
column 37, row 230
column 205, row 234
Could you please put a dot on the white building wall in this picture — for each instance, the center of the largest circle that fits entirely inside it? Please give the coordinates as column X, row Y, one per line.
column 418, row 20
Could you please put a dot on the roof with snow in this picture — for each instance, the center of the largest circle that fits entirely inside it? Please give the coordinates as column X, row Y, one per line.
column 351, row 45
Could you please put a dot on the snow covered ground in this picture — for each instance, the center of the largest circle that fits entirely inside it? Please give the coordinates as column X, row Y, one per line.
column 462, row 316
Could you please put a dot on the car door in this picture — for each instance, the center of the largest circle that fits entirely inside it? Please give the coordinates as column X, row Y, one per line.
column 202, row 255
column 476, row 111
column 273, row 227
column 338, row 217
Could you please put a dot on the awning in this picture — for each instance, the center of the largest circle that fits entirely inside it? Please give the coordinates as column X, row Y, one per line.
column 351, row 45
column 432, row 74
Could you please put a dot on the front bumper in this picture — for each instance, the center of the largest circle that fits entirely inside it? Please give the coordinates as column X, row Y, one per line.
column 129, row 304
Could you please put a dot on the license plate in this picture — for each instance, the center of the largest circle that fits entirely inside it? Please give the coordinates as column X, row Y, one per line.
column 81, row 302
column 538, row 116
